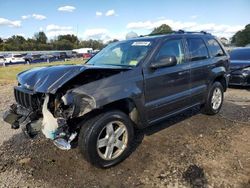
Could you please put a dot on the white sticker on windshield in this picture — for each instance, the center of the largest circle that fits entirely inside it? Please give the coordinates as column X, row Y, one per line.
column 141, row 43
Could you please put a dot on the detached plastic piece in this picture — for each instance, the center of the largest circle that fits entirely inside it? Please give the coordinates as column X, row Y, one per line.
column 10, row 117
column 63, row 144
column 49, row 124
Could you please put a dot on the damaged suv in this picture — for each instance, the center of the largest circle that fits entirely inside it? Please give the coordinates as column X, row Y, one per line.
column 128, row 85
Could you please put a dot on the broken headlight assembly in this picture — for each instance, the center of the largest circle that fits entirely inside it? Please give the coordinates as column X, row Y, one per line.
column 246, row 71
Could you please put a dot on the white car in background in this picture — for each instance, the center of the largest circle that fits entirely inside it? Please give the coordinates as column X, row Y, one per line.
column 14, row 58
column 2, row 59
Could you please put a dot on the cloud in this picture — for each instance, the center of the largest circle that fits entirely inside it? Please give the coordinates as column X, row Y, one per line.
column 53, row 30
column 10, row 23
column 110, row 13
column 216, row 29
column 66, row 8
column 35, row 16
column 38, row 17
column 98, row 13
column 102, row 34
column 194, row 17
column 25, row 17
column 96, row 33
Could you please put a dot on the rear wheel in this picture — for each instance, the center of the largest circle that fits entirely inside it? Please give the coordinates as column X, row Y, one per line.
column 106, row 139
column 214, row 99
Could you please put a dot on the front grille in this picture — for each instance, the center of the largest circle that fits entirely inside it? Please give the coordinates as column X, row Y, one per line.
column 26, row 98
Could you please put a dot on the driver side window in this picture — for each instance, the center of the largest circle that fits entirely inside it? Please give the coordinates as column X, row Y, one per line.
column 172, row 48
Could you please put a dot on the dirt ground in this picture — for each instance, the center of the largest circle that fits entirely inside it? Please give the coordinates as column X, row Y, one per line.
column 190, row 150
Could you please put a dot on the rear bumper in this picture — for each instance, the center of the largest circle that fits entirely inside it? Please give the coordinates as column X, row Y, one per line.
column 239, row 80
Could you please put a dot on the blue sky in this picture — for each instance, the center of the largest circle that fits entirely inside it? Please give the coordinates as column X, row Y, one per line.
column 108, row 19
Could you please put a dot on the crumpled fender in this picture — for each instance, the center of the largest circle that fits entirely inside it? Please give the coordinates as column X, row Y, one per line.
column 99, row 93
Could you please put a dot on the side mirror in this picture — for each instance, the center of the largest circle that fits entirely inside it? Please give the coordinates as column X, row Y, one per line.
column 165, row 61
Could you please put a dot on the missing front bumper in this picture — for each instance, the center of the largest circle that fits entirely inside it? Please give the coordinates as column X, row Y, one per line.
column 32, row 123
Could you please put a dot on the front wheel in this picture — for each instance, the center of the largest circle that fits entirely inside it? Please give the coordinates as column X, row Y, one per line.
column 214, row 99
column 106, row 139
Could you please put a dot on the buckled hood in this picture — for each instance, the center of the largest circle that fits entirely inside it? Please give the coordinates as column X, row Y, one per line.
column 50, row 79
column 239, row 64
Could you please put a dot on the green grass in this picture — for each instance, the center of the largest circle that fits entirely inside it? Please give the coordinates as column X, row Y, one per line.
column 8, row 73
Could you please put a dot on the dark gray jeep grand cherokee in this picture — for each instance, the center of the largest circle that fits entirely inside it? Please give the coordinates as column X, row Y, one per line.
column 128, row 85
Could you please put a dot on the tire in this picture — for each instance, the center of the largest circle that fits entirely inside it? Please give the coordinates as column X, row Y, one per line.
column 96, row 139
column 213, row 105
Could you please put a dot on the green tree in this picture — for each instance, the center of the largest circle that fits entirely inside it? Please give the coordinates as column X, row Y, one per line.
column 41, row 37
column 163, row 29
column 63, row 45
column 41, row 42
column 14, row 43
column 242, row 38
column 1, row 44
column 72, row 38
column 111, row 41
column 95, row 44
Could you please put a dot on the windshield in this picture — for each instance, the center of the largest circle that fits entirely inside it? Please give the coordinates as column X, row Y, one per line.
column 240, row 54
column 127, row 53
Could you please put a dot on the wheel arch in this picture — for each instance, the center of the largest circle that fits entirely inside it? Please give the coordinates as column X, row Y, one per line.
column 222, row 80
column 126, row 105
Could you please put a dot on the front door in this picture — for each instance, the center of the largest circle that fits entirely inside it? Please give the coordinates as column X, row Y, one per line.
column 167, row 89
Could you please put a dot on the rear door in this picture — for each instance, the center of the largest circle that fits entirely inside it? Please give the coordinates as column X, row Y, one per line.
column 200, row 64
column 167, row 89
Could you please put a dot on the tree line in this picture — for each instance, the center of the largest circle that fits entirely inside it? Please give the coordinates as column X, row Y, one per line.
column 240, row 38
column 68, row 42
column 41, row 42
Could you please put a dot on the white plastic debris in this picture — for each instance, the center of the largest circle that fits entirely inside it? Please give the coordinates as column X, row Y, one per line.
column 49, row 124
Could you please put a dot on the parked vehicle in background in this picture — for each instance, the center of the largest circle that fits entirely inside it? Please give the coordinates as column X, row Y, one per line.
column 60, row 56
column 83, row 50
column 33, row 58
column 15, row 58
column 90, row 54
column 2, row 60
column 87, row 55
column 128, row 85
column 84, row 53
column 47, row 57
column 240, row 67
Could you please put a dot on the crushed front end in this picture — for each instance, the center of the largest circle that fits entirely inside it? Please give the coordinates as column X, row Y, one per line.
column 39, row 112
column 54, row 100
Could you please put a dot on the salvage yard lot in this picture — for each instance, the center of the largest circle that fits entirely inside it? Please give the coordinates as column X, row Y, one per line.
column 183, row 151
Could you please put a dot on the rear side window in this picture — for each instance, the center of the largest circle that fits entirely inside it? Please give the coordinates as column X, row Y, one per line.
column 197, row 49
column 215, row 48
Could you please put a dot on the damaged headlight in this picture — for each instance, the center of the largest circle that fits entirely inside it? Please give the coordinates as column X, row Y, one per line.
column 67, row 99
column 246, row 71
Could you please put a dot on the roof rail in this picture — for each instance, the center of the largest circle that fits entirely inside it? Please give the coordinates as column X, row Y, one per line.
column 191, row 32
